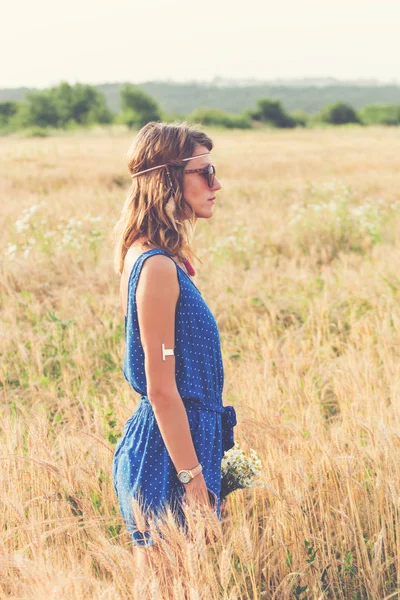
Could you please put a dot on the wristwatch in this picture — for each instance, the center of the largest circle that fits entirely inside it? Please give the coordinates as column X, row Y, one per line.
column 186, row 475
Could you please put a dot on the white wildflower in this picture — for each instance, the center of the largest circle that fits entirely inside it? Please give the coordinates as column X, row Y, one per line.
column 11, row 249
column 240, row 470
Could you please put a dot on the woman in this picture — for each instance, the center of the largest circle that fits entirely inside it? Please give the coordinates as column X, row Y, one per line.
column 172, row 445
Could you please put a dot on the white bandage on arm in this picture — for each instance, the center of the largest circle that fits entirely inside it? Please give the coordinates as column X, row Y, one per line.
column 165, row 352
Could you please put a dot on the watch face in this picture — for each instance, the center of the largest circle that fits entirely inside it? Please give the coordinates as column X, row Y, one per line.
column 184, row 477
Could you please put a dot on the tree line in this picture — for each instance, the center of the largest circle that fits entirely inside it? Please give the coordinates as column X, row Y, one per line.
column 235, row 96
column 68, row 106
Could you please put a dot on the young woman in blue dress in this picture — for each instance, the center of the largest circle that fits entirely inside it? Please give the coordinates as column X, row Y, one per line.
column 173, row 185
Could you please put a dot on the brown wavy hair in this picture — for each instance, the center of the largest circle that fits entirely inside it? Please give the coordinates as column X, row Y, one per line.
column 152, row 208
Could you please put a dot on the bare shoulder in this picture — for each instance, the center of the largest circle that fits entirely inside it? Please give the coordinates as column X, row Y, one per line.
column 158, row 277
column 159, row 273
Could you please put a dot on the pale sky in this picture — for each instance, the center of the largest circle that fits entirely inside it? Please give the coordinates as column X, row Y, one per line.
column 45, row 42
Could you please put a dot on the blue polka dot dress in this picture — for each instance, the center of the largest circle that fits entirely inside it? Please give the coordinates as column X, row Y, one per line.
column 142, row 467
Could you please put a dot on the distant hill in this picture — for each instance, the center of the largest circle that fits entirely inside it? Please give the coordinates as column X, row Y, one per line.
column 236, row 96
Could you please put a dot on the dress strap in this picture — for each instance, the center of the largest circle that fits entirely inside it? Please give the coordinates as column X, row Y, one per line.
column 140, row 260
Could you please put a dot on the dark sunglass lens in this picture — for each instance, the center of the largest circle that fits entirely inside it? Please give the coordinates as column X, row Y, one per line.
column 211, row 175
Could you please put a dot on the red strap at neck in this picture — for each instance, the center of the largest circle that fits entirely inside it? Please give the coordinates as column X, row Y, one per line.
column 189, row 267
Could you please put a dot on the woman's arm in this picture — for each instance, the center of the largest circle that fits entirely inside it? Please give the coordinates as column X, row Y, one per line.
column 157, row 295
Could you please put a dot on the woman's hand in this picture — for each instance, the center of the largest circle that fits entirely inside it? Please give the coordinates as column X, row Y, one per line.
column 196, row 493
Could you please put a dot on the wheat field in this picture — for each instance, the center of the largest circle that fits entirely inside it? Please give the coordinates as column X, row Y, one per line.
column 301, row 268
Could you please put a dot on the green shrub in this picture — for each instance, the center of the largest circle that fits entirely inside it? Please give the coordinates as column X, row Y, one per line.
column 81, row 103
column 339, row 113
column 137, row 107
column 219, row 118
column 381, row 114
column 60, row 106
column 271, row 112
column 38, row 132
column 300, row 117
column 7, row 111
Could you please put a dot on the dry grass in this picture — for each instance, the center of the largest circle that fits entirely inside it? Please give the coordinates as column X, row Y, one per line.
column 310, row 326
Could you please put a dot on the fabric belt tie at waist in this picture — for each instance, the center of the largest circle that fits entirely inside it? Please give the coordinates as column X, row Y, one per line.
column 228, row 414
column 228, row 423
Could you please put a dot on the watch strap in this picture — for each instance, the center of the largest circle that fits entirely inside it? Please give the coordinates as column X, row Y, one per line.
column 192, row 472
column 196, row 470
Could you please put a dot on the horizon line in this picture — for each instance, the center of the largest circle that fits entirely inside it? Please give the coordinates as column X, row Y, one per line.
column 220, row 80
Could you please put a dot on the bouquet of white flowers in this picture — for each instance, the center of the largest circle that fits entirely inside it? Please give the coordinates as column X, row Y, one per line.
column 239, row 470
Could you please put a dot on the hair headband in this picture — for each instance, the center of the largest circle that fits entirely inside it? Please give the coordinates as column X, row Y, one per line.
column 166, row 165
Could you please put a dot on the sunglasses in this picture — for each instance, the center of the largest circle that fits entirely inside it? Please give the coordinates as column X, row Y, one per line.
column 208, row 172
